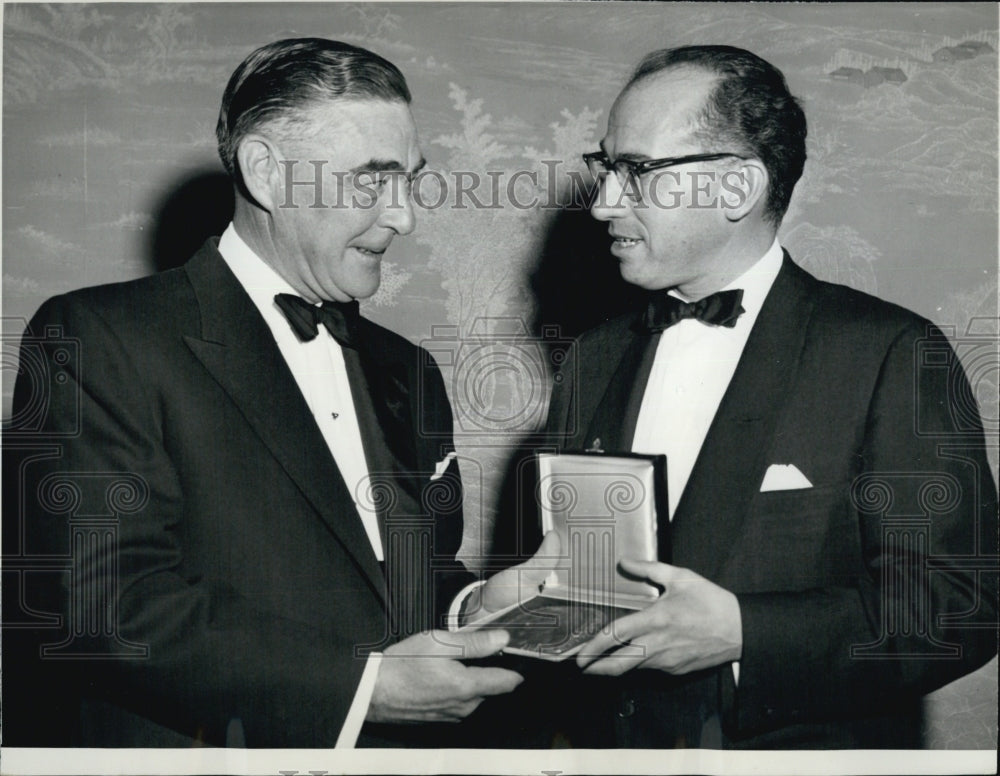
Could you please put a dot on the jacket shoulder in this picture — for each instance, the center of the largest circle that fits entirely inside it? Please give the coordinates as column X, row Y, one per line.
column 863, row 315
column 134, row 305
column 845, row 313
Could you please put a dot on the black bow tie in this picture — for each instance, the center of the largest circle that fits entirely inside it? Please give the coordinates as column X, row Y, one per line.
column 719, row 309
column 340, row 318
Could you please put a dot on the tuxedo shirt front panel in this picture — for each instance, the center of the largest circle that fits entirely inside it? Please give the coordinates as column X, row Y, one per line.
column 692, row 368
column 318, row 368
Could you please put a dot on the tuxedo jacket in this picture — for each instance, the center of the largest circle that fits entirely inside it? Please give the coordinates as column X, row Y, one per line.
column 213, row 582
column 858, row 594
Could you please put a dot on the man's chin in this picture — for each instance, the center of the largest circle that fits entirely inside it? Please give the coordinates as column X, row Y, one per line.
column 365, row 291
column 635, row 277
column 362, row 283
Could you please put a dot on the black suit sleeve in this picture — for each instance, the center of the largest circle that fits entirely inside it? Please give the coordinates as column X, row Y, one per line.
column 147, row 634
column 922, row 609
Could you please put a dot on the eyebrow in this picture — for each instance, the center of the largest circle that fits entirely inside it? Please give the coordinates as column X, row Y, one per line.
column 627, row 156
column 387, row 165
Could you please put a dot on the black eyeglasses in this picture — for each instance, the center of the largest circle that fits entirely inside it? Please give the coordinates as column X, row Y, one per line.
column 628, row 171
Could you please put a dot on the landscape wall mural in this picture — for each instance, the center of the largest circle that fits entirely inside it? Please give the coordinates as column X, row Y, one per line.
column 110, row 173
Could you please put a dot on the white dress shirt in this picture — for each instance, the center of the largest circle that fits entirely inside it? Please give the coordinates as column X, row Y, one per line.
column 319, row 371
column 692, row 369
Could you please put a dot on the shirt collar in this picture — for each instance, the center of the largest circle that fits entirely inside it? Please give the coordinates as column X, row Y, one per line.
column 258, row 278
column 756, row 282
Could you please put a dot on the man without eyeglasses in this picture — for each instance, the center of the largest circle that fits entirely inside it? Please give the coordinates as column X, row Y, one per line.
column 799, row 608
column 279, row 575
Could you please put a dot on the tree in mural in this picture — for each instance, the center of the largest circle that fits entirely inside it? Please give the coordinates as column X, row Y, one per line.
column 376, row 22
column 394, row 280
column 75, row 21
column 838, row 254
column 160, row 27
column 483, row 241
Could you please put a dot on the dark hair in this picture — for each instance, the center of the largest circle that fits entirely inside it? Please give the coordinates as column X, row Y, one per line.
column 278, row 82
column 750, row 108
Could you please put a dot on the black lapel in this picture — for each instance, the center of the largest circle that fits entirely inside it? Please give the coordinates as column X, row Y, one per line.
column 407, row 520
column 237, row 348
column 616, row 416
column 730, row 465
column 607, row 410
column 388, row 378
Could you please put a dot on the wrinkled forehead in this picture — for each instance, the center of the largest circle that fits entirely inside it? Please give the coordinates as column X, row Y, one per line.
column 658, row 115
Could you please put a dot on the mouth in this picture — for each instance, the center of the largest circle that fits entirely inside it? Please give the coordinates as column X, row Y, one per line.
column 623, row 242
column 375, row 253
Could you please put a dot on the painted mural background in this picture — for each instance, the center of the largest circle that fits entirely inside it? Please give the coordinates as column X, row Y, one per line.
column 110, row 173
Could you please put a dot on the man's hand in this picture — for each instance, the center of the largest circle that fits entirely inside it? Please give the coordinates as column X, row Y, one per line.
column 694, row 624
column 420, row 679
column 516, row 584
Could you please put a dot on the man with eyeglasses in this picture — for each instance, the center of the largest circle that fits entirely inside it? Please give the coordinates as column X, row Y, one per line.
column 255, row 487
column 832, row 514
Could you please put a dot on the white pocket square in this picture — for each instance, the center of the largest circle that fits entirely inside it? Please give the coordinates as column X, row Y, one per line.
column 441, row 466
column 784, row 476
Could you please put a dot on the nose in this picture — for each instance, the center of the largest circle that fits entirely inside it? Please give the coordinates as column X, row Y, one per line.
column 397, row 212
column 610, row 200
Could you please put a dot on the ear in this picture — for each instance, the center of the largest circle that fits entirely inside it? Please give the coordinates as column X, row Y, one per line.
column 260, row 169
column 743, row 188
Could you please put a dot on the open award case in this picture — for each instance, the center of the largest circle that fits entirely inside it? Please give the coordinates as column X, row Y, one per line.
column 604, row 508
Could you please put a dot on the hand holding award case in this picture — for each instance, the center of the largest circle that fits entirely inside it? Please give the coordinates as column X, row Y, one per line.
column 604, row 508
